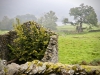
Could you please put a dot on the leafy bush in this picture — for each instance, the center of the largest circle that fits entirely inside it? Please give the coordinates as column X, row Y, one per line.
column 31, row 42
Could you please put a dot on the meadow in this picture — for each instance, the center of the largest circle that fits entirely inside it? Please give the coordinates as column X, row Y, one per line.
column 78, row 48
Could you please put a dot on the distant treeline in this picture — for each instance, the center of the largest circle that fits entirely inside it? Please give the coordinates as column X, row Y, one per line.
column 7, row 23
column 48, row 20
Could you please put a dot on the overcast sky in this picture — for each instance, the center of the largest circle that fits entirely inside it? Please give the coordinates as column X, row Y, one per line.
column 11, row 8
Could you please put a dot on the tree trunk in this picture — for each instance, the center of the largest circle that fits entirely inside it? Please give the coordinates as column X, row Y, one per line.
column 80, row 28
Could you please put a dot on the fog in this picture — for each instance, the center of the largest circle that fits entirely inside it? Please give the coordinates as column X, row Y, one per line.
column 11, row 8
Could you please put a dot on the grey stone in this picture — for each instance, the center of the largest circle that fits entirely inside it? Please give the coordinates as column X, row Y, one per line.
column 13, row 69
column 2, row 66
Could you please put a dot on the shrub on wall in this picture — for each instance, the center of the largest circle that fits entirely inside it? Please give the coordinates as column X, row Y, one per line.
column 31, row 42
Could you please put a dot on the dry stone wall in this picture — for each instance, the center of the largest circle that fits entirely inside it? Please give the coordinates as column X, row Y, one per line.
column 4, row 41
column 3, row 46
column 46, row 68
column 51, row 54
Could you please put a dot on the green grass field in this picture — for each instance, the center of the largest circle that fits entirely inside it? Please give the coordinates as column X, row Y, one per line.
column 73, row 28
column 79, row 47
column 3, row 32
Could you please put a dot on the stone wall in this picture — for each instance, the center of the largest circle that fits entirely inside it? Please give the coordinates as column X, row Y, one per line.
column 3, row 46
column 51, row 54
column 46, row 68
column 4, row 41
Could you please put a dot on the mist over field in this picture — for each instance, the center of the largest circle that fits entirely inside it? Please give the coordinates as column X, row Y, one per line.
column 11, row 8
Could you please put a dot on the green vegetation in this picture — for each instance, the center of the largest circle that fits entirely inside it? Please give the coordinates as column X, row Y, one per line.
column 31, row 42
column 79, row 47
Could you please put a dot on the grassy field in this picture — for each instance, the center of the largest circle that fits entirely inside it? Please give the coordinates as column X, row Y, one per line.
column 79, row 47
column 3, row 32
column 66, row 27
column 73, row 28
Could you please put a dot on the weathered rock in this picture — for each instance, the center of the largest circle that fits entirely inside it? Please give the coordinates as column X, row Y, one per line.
column 2, row 67
column 12, row 69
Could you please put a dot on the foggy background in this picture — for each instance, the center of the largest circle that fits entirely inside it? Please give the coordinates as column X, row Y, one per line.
column 12, row 8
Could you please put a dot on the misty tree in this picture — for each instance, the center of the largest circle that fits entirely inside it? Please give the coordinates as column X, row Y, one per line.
column 6, row 23
column 41, row 20
column 25, row 18
column 65, row 20
column 49, row 20
column 84, row 14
